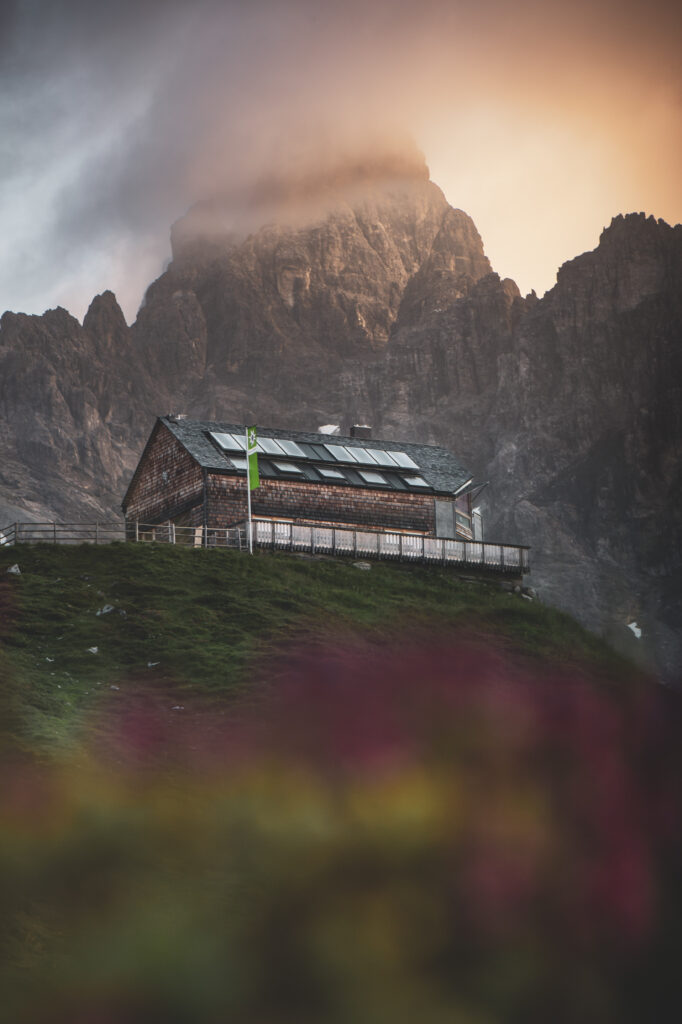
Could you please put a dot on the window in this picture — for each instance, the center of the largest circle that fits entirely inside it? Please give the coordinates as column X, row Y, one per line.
column 383, row 458
column 228, row 441
column 291, row 448
column 363, row 455
column 340, row 453
column 269, row 446
column 287, row 467
column 332, row 474
column 404, row 460
column 372, row 478
column 239, row 463
column 416, row 481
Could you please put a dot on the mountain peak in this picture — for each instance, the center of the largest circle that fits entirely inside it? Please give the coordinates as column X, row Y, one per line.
column 301, row 196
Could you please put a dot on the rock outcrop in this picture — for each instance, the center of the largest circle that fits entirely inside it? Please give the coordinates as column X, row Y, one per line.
column 376, row 303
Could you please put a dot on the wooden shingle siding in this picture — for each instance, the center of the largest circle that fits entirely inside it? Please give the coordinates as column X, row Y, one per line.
column 168, row 483
column 319, row 503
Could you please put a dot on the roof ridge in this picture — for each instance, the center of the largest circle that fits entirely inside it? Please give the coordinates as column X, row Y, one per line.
column 360, row 442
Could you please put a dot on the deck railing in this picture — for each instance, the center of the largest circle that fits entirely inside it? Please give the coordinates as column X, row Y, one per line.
column 281, row 535
column 62, row 533
column 287, row 536
column 106, row 533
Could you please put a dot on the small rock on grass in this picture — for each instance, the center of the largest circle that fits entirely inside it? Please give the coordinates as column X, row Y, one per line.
column 14, row 570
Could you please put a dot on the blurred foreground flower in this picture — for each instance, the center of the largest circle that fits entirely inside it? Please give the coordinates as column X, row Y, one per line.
column 426, row 835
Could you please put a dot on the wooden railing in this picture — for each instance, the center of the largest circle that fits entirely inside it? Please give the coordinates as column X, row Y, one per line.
column 285, row 536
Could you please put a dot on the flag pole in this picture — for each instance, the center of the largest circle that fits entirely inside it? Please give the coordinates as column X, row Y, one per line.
column 248, row 491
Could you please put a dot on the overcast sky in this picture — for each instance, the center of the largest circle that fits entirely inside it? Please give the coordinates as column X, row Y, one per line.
column 540, row 120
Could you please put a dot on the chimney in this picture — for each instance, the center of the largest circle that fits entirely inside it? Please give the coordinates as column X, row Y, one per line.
column 360, row 430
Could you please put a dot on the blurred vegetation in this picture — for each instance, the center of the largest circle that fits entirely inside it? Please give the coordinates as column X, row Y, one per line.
column 340, row 796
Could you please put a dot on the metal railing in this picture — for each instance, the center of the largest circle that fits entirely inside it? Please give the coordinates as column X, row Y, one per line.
column 62, row 533
column 332, row 540
column 281, row 535
column 106, row 533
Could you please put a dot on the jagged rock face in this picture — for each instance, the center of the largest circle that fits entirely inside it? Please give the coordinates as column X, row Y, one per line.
column 571, row 407
column 382, row 308
column 290, row 305
column 593, row 421
column 74, row 405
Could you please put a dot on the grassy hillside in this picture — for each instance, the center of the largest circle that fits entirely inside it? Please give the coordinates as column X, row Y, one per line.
column 210, row 622
column 279, row 789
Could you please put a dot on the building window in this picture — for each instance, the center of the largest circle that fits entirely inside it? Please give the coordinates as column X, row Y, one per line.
column 372, row 478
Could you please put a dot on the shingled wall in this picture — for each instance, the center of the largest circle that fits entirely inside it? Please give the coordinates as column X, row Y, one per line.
column 167, row 482
column 319, row 503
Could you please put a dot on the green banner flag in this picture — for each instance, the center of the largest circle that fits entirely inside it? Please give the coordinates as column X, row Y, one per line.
column 252, row 457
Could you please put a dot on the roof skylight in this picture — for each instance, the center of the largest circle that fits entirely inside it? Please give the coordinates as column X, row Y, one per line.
column 287, row 467
column 333, row 474
column 341, row 453
column 416, row 481
column 269, row 446
column 383, row 458
column 404, row 460
column 371, row 478
column 363, row 455
column 291, row 448
column 227, row 441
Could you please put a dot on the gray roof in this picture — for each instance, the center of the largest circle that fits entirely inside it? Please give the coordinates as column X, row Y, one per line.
column 442, row 471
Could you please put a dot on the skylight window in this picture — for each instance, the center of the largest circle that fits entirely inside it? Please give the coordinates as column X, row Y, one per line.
column 404, row 460
column 239, row 463
column 227, row 441
column 371, row 478
column 287, row 467
column 333, row 474
column 291, row 448
column 340, row 453
column 416, row 481
column 383, row 458
column 269, row 446
column 363, row 455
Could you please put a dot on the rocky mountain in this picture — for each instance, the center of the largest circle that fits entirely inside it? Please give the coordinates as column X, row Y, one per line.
column 370, row 299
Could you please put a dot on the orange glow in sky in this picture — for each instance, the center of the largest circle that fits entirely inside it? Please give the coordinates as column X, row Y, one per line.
column 542, row 120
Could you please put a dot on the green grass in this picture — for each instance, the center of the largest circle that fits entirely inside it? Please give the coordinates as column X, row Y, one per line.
column 216, row 620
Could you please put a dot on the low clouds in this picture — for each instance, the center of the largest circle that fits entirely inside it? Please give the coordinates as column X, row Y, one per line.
column 115, row 118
